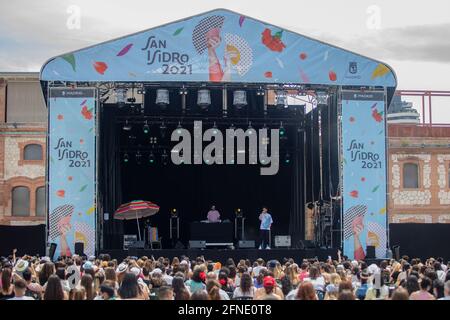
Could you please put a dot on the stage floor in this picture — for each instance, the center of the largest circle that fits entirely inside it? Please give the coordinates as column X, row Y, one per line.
column 223, row 254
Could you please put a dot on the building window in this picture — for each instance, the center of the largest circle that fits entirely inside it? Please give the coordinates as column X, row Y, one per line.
column 32, row 152
column 40, row 202
column 410, row 176
column 21, row 202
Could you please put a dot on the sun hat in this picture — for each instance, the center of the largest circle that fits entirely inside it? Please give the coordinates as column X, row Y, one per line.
column 156, row 271
column 88, row 265
column 21, row 265
column 122, row 268
column 136, row 271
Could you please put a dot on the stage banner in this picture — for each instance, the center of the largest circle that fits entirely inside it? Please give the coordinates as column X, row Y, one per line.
column 364, row 173
column 71, row 169
column 219, row 46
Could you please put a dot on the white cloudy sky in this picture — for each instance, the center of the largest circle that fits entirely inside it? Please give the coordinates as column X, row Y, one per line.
column 413, row 36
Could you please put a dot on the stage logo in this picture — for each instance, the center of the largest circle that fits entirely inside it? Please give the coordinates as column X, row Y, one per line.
column 190, row 150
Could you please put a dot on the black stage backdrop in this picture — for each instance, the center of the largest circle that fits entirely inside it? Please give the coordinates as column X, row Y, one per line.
column 421, row 240
column 26, row 239
column 193, row 189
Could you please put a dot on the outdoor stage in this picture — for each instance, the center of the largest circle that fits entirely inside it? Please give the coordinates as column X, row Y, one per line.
column 118, row 110
column 223, row 254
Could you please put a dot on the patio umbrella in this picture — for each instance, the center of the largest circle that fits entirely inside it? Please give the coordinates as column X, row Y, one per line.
column 135, row 210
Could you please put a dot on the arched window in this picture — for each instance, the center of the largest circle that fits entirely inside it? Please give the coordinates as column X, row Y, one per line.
column 21, row 202
column 32, row 152
column 411, row 175
column 40, row 202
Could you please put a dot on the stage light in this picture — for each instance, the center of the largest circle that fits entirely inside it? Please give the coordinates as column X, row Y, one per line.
column 164, row 158
column 163, row 129
column 121, row 96
column 146, row 128
column 239, row 213
column 322, row 97
column 151, row 158
column 162, row 97
column 239, row 98
column 179, row 128
column 281, row 98
column 250, row 127
column 138, row 157
column 174, row 213
column 215, row 130
column 127, row 126
column 204, row 98
column 183, row 91
column 126, row 158
column 287, row 158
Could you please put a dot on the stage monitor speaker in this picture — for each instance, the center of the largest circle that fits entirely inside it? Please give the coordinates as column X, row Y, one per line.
column 52, row 250
column 370, row 252
column 79, row 248
column 246, row 244
column 197, row 244
column 306, row 244
column 137, row 245
column 179, row 245
column 282, row 241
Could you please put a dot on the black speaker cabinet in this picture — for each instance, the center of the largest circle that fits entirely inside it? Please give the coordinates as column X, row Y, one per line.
column 370, row 252
column 52, row 250
column 79, row 248
column 246, row 244
column 197, row 244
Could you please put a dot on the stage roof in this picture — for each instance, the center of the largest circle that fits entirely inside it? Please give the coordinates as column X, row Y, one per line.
column 219, row 46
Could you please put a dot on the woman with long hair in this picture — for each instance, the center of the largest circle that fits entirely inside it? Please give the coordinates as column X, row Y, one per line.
column 7, row 290
column 291, row 272
column 129, row 288
column 213, row 290
column 180, row 291
column 246, row 289
column 47, row 270
column 88, row 284
column 54, row 289
column 332, row 288
column 306, row 291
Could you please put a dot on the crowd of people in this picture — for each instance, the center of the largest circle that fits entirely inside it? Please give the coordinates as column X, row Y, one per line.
column 144, row 278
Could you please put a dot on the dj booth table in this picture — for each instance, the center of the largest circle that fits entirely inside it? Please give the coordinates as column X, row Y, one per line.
column 212, row 233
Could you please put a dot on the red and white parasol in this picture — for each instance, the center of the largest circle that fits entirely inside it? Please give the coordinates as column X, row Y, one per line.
column 135, row 210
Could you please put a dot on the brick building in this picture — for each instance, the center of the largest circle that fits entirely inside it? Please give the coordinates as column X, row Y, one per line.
column 419, row 169
column 23, row 118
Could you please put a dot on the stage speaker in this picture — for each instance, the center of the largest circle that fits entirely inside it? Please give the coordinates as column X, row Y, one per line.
column 396, row 252
column 282, row 241
column 52, row 250
column 370, row 252
column 306, row 244
column 79, row 248
column 197, row 244
column 246, row 244
column 179, row 245
column 137, row 245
